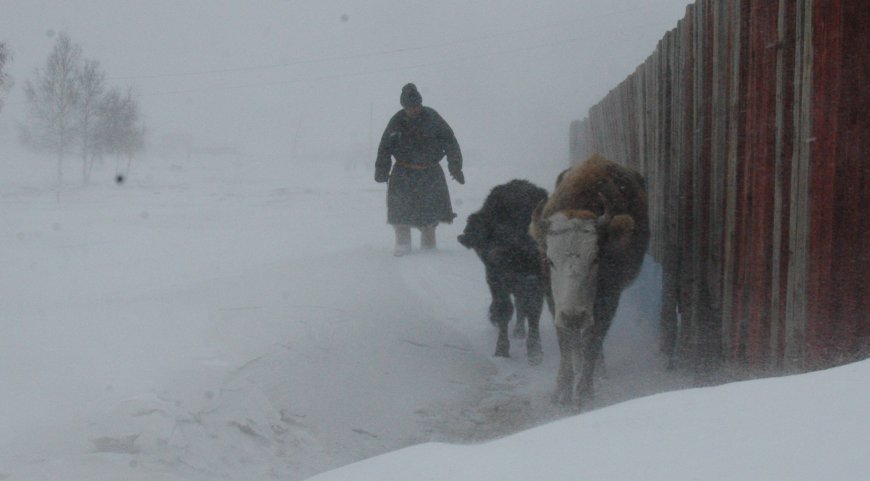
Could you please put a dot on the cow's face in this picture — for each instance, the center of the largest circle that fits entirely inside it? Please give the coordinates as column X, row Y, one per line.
column 574, row 241
column 473, row 236
column 572, row 249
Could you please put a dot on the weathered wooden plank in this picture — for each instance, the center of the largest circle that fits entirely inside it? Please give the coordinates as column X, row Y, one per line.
column 837, row 281
column 826, row 26
column 672, row 333
column 735, row 121
column 782, row 171
column 717, row 152
column 706, row 349
column 795, row 335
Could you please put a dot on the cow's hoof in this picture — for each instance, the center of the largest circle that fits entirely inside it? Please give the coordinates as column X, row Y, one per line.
column 534, row 352
column 502, row 353
column 584, row 397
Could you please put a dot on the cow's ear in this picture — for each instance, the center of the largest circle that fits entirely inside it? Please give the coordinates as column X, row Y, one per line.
column 619, row 232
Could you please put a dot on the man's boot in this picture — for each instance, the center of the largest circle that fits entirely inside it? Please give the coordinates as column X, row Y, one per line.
column 403, row 240
column 427, row 237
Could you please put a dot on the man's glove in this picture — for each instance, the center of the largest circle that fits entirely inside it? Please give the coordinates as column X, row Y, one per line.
column 458, row 176
column 381, row 176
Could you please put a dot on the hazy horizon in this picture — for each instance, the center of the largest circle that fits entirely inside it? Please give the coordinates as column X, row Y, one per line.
column 295, row 80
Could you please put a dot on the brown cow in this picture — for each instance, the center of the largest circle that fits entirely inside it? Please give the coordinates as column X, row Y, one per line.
column 594, row 232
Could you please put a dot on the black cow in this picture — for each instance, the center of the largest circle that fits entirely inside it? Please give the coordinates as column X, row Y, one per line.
column 499, row 234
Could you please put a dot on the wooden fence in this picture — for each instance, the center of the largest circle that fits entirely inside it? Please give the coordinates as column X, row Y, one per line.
column 751, row 124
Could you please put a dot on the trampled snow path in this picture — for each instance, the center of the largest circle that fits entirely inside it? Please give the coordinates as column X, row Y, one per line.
column 197, row 325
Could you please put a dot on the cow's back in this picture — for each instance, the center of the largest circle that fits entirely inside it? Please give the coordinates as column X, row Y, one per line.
column 513, row 202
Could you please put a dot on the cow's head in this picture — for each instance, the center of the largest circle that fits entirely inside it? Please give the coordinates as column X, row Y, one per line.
column 474, row 234
column 575, row 243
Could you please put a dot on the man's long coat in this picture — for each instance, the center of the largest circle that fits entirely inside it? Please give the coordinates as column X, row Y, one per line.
column 417, row 193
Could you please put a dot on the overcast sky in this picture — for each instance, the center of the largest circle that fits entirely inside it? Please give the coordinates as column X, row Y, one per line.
column 273, row 78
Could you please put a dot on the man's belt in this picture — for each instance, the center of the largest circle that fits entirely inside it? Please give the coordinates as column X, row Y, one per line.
column 409, row 165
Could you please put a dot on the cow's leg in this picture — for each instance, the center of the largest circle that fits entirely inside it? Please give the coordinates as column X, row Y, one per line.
column 589, row 357
column 503, row 344
column 533, row 343
column 519, row 330
column 500, row 310
column 605, row 308
column 530, row 303
column 565, row 377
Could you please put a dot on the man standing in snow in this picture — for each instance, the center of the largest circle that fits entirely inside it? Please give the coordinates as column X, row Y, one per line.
column 417, row 196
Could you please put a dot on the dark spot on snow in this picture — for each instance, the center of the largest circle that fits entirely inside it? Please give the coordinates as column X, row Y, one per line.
column 365, row 433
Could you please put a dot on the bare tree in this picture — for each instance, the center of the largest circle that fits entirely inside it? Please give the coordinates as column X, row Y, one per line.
column 121, row 131
column 70, row 108
column 91, row 86
column 53, row 99
column 5, row 81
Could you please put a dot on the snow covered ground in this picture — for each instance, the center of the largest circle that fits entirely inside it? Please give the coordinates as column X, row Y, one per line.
column 220, row 318
column 808, row 427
